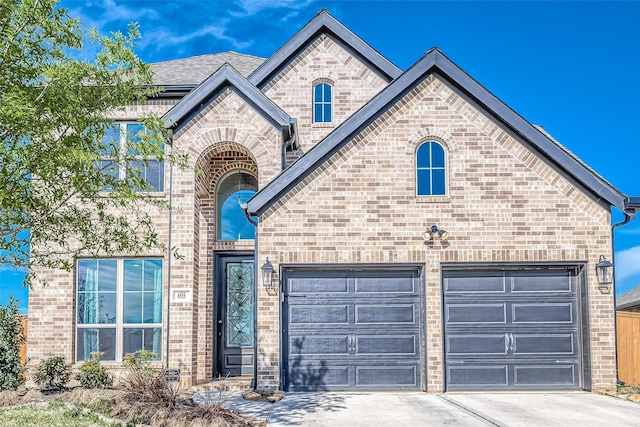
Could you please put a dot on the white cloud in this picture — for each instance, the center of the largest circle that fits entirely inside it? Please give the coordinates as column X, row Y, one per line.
column 164, row 37
column 9, row 268
column 628, row 263
column 252, row 7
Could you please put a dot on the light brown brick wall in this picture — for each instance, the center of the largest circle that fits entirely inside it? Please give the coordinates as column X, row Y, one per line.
column 354, row 85
column 503, row 205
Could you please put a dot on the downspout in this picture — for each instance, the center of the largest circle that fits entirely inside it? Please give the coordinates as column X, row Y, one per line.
column 626, row 220
column 169, row 261
column 243, row 206
column 288, row 143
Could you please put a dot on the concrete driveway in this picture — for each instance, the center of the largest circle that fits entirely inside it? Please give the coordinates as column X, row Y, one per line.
column 420, row 409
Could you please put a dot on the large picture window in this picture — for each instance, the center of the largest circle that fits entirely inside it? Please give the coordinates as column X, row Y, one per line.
column 119, row 307
column 117, row 138
column 430, row 169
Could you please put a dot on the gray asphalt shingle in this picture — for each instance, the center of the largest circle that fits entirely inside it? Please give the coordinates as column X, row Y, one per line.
column 194, row 70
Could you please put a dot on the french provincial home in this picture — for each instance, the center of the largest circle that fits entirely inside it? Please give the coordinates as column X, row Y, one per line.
column 355, row 227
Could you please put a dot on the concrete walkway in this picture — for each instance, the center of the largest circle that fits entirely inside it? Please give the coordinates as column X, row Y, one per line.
column 421, row 409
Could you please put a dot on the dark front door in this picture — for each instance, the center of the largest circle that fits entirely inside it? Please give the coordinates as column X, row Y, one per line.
column 352, row 330
column 235, row 315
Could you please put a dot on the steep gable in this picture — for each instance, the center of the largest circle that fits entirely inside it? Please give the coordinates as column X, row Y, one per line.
column 434, row 62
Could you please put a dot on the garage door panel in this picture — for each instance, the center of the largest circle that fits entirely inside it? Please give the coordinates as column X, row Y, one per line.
column 319, row 344
column 543, row 282
column 329, row 314
column 386, row 314
column 386, row 345
column 317, row 285
column 534, row 313
column 482, row 283
column 385, row 286
column 476, row 345
column 470, row 377
column 386, row 377
column 477, row 314
column 544, row 344
column 318, row 376
column 546, row 375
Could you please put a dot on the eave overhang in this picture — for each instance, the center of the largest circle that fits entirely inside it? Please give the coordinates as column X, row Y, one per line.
column 435, row 62
column 323, row 23
column 226, row 77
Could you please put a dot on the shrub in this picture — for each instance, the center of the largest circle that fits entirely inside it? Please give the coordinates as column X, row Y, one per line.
column 53, row 373
column 92, row 374
column 11, row 339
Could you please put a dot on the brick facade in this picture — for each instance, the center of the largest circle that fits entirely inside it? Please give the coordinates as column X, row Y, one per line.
column 504, row 204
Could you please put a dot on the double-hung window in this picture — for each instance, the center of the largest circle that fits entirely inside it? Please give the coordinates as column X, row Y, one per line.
column 120, row 138
column 119, row 307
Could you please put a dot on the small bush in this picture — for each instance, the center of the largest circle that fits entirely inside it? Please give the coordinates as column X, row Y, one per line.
column 92, row 374
column 11, row 339
column 53, row 373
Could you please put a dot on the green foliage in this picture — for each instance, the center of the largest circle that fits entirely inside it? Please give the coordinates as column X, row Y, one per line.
column 92, row 374
column 53, row 373
column 54, row 107
column 11, row 339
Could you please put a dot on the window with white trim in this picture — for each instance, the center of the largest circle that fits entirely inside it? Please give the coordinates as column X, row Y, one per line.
column 119, row 307
column 430, row 169
column 322, row 103
column 117, row 138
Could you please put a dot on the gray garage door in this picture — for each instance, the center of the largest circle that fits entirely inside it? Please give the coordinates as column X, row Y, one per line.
column 351, row 330
column 511, row 330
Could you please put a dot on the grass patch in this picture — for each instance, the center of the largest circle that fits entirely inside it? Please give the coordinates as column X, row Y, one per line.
column 52, row 414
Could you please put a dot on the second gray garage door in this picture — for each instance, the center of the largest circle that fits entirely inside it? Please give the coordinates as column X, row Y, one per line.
column 351, row 330
column 512, row 330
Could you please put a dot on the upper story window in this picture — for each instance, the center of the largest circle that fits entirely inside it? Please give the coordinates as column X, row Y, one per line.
column 123, row 136
column 430, row 169
column 119, row 307
column 322, row 103
column 235, row 188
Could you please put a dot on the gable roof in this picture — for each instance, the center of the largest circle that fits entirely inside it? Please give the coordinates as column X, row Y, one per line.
column 629, row 298
column 194, row 70
column 433, row 62
column 207, row 91
column 324, row 23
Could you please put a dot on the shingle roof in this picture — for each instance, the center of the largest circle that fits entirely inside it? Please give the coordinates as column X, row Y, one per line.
column 629, row 298
column 194, row 70
column 435, row 62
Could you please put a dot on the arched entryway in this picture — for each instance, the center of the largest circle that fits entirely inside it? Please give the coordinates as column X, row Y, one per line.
column 228, row 176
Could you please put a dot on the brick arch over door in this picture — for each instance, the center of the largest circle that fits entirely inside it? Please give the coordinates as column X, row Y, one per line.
column 215, row 163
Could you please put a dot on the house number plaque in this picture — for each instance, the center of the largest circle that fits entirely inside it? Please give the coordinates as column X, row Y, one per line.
column 181, row 296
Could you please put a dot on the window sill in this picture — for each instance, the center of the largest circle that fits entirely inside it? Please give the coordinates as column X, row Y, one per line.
column 323, row 125
column 433, row 199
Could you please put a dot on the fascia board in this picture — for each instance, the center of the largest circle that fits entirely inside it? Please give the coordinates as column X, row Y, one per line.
column 323, row 20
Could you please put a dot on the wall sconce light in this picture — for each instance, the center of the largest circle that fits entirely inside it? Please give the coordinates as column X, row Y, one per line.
column 434, row 231
column 604, row 272
column 267, row 274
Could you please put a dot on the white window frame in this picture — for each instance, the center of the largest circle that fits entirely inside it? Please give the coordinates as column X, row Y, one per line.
column 323, row 102
column 444, row 168
column 119, row 325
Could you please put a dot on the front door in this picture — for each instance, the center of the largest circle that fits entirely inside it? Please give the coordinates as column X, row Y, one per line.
column 235, row 315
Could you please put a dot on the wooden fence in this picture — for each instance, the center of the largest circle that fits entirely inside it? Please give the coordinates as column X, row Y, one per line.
column 629, row 347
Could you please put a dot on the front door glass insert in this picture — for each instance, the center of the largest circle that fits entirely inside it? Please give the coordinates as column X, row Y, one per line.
column 240, row 297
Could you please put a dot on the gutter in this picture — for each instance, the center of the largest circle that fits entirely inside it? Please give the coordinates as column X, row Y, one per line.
column 292, row 141
column 631, row 206
column 254, row 382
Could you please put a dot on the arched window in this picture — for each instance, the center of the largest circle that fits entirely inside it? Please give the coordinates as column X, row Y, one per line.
column 430, row 169
column 232, row 222
column 322, row 103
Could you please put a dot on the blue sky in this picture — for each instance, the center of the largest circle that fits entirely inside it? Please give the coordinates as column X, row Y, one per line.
column 571, row 66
